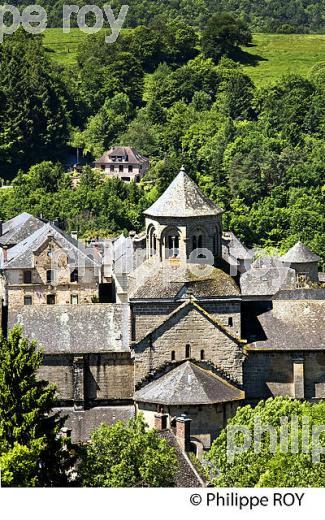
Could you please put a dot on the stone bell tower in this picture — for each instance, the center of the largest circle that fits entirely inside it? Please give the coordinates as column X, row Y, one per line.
column 184, row 224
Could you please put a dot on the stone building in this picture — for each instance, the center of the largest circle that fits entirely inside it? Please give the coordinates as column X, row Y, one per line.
column 197, row 329
column 123, row 162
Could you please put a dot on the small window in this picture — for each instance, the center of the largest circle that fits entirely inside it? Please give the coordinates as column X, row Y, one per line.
column 126, row 179
column 130, row 168
column 202, row 355
column 74, row 299
column 173, row 355
column 188, row 351
column 200, row 242
column 112, row 168
column 50, row 299
column 120, row 168
column 103, row 167
column 27, row 276
column 49, row 276
column 74, row 276
column 194, row 243
column 230, row 322
column 28, row 300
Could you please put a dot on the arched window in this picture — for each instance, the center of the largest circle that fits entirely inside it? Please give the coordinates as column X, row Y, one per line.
column 171, row 241
column 202, row 355
column 194, row 243
column 152, row 241
column 173, row 355
column 230, row 322
column 200, row 242
column 188, row 351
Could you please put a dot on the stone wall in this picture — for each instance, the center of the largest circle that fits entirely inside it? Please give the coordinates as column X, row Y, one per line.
column 268, row 374
column 90, row 380
column 188, row 327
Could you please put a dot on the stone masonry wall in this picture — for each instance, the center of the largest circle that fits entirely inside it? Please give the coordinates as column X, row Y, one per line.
column 189, row 327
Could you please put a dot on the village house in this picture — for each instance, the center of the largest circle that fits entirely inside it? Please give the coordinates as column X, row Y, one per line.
column 195, row 327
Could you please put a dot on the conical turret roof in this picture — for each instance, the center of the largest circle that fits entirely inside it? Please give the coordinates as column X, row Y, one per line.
column 300, row 254
column 183, row 198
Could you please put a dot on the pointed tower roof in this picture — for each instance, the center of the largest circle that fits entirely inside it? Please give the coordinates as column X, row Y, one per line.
column 189, row 384
column 183, row 198
column 300, row 254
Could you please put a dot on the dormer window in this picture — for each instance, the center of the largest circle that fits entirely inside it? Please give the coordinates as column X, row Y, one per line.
column 74, row 276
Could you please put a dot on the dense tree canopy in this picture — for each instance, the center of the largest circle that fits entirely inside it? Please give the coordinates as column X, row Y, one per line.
column 127, row 455
column 264, row 464
column 31, row 452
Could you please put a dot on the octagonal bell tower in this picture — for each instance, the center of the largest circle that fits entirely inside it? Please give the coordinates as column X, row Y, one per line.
column 184, row 224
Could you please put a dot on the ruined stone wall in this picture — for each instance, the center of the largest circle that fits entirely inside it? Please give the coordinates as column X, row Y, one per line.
column 189, row 327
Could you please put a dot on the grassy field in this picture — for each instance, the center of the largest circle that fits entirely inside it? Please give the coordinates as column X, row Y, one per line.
column 271, row 55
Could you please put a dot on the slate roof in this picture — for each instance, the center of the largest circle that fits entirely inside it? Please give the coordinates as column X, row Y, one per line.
column 300, row 254
column 134, row 157
column 188, row 384
column 232, row 247
column 74, row 329
column 172, row 280
column 19, row 228
column 183, row 198
column 287, row 325
column 21, row 256
column 266, row 279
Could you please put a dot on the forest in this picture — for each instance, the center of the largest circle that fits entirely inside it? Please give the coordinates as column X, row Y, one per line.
column 291, row 16
column 179, row 96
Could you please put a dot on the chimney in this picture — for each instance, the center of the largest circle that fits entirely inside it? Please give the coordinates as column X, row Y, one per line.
column 183, row 432
column 5, row 254
column 1, row 228
column 161, row 421
column 74, row 234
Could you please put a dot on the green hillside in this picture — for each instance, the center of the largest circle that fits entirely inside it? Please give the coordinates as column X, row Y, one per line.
column 271, row 55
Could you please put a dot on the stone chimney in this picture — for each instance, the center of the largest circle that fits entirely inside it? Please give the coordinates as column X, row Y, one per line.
column 183, row 432
column 74, row 234
column 5, row 254
column 161, row 421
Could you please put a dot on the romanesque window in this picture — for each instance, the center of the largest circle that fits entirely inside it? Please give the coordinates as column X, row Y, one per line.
column 173, row 355
column 202, row 355
column 188, row 351
column 27, row 276
column 152, row 241
column 230, row 322
column 28, row 300
column 172, row 250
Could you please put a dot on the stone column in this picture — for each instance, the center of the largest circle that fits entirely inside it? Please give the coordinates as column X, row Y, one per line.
column 183, row 432
column 298, row 378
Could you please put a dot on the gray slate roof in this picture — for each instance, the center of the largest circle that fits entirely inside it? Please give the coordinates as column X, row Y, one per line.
column 172, row 280
column 21, row 256
column 267, row 280
column 188, row 384
column 300, row 254
column 289, row 325
column 134, row 157
column 19, row 228
column 74, row 329
column 183, row 198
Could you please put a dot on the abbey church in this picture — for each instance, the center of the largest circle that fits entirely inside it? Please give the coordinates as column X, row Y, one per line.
column 181, row 323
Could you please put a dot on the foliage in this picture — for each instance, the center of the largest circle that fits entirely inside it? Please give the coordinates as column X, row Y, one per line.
column 127, row 455
column 261, row 467
column 34, row 118
column 31, row 451
column 222, row 35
